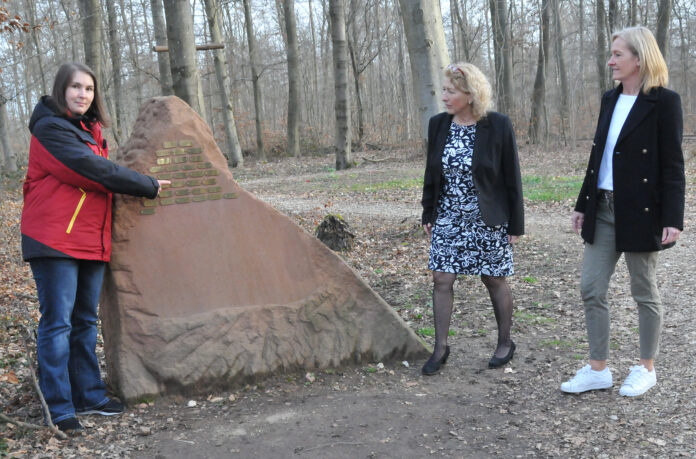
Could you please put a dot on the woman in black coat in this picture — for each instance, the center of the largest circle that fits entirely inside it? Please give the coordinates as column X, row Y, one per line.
column 631, row 202
column 472, row 205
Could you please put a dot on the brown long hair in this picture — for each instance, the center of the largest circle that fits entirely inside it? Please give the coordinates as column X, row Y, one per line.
column 64, row 78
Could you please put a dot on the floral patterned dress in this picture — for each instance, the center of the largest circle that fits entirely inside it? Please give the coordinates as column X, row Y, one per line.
column 461, row 242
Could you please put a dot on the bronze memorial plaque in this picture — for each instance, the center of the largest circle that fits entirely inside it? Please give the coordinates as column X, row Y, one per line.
column 178, row 161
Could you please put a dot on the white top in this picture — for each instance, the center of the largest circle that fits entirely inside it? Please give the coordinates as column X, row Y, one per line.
column 618, row 118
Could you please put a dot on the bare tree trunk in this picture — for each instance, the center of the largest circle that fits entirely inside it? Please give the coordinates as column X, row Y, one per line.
column 503, row 54
column 293, row 80
column 182, row 53
column 405, row 105
column 563, row 75
column 537, row 119
column 130, row 33
column 453, row 16
column 313, row 96
column 664, row 11
column 601, row 47
column 258, row 105
column 30, row 6
column 73, row 34
column 340, row 65
column 10, row 160
column 684, row 57
column 613, row 13
column 161, row 39
column 90, row 11
column 115, row 46
column 633, row 13
column 425, row 38
column 235, row 158
column 351, row 34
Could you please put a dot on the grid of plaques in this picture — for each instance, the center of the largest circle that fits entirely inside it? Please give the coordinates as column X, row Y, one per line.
column 193, row 179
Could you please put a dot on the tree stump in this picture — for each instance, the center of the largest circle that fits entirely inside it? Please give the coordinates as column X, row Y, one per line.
column 335, row 233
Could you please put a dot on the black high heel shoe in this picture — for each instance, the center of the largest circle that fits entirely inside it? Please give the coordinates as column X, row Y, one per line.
column 432, row 367
column 497, row 362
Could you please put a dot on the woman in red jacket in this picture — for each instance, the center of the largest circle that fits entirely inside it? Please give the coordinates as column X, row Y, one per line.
column 66, row 237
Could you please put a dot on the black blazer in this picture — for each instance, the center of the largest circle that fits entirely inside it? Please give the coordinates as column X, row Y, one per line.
column 495, row 167
column 648, row 168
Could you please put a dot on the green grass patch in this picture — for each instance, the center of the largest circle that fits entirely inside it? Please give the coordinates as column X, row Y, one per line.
column 542, row 188
column 556, row 343
column 426, row 331
column 397, row 184
column 530, row 279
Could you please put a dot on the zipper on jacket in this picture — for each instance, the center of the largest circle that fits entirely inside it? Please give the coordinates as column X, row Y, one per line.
column 77, row 211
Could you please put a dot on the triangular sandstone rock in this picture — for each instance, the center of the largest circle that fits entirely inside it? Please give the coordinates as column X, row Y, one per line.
column 208, row 286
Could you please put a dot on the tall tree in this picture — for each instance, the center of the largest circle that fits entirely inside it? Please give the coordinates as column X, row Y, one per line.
column 664, row 11
column 566, row 123
column 258, row 103
column 182, row 53
column 538, row 118
column 612, row 16
column 30, row 6
column 342, row 102
column 235, row 158
column 10, row 160
column 90, row 12
column 403, row 91
column 633, row 12
column 503, row 54
column 115, row 47
column 601, row 52
column 293, row 79
column 160, row 26
column 362, row 51
column 425, row 39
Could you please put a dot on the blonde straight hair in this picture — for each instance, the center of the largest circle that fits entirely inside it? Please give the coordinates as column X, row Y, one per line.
column 642, row 43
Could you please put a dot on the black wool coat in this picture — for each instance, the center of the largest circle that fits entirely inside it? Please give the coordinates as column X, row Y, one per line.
column 648, row 171
column 495, row 169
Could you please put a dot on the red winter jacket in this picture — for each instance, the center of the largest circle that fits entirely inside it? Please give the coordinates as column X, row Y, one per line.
column 68, row 188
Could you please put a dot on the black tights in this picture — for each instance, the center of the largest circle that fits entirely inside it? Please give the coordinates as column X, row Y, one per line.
column 443, row 300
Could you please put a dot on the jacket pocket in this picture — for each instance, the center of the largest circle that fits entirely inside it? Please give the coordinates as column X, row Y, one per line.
column 77, row 211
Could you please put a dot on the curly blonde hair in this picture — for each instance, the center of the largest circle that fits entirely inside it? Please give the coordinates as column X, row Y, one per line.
column 468, row 78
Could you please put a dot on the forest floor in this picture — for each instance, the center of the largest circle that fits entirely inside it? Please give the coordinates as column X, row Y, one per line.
column 387, row 409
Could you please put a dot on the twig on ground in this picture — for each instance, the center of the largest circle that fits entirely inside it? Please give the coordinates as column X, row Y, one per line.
column 331, row 445
column 378, row 160
column 44, row 406
column 25, row 425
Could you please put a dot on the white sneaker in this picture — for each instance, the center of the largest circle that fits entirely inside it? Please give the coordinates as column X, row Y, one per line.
column 588, row 379
column 638, row 382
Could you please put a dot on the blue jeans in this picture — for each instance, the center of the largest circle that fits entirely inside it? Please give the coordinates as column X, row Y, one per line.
column 67, row 339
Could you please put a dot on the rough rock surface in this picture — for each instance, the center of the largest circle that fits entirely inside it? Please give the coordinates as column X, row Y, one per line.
column 209, row 286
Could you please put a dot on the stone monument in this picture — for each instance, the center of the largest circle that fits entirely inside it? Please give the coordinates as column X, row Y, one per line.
column 209, row 287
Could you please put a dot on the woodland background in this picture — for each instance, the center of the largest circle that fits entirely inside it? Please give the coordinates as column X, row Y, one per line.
column 282, row 69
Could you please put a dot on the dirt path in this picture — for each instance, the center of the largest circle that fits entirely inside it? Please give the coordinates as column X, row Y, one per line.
column 467, row 410
column 387, row 409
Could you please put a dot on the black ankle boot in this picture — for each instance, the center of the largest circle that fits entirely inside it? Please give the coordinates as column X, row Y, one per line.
column 432, row 366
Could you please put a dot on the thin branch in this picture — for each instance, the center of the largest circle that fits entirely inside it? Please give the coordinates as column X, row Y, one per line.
column 24, row 425
column 47, row 413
